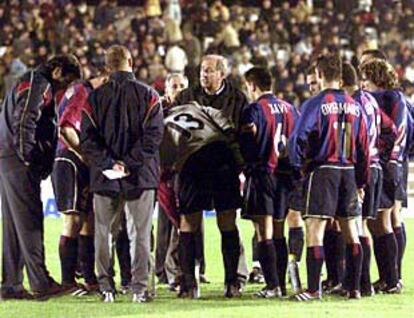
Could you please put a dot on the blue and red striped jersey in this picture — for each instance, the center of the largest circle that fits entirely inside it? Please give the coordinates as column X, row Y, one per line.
column 331, row 130
column 274, row 120
column 74, row 102
column 381, row 129
column 393, row 104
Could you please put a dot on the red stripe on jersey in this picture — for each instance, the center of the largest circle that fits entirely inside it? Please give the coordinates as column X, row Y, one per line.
column 271, row 131
column 21, row 87
column 329, row 98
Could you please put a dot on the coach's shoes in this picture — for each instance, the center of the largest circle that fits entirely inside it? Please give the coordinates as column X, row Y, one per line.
column 232, row 290
column 108, row 296
column 191, row 293
column 267, row 292
column 53, row 290
column 307, row 296
column 13, row 295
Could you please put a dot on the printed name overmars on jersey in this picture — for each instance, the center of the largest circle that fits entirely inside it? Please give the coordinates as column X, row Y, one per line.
column 340, row 108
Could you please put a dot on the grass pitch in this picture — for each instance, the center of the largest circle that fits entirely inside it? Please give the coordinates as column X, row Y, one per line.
column 212, row 303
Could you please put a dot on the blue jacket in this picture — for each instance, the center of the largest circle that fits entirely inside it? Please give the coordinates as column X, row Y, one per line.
column 125, row 124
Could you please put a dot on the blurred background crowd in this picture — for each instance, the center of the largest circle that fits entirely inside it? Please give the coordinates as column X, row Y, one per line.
column 172, row 35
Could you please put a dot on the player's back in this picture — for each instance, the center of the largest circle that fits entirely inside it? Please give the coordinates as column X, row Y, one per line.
column 188, row 128
column 328, row 130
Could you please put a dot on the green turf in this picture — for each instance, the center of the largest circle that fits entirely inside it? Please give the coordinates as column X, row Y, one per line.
column 212, row 303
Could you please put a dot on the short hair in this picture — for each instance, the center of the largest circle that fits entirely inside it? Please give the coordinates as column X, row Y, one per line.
column 349, row 74
column 259, row 76
column 330, row 66
column 221, row 62
column 117, row 56
column 170, row 76
column 380, row 72
column 311, row 70
column 375, row 53
column 69, row 64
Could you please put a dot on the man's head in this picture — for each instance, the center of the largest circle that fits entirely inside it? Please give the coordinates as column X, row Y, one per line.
column 378, row 74
column 63, row 69
column 213, row 72
column 372, row 54
column 118, row 58
column 175, row 83
column 312, row 81
column 258, row 81
column 329, row 69
column 349, row 77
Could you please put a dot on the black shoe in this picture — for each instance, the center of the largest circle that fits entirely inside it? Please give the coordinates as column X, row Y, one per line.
column 353, row 294
column 379, row 285
column 191, row 293
column 232, row 290
column 367, row 291
column 392, row 290
column 306, row 296
column 267, row 292
column 19, row 295
column 256, row 276
column 204, row 279
column 143, row 297
column 54, row 290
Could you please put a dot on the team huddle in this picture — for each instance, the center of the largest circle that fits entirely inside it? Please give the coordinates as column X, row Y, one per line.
column 335, row 168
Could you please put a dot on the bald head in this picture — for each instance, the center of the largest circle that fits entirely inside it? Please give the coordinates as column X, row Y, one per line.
column 118, row 58
column 213, row 72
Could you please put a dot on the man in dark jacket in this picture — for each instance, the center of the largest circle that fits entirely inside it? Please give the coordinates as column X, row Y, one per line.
column 120, row 139
column 28, row 137
column 217, row 92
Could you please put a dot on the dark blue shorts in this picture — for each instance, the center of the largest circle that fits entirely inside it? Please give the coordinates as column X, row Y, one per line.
column 393, row 185
column 209, row 180
column 331, row 191
column 70, row 181
column 372, row 194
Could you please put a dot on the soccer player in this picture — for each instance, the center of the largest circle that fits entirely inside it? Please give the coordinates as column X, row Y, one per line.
column 265, row 127
column 381, row 134
column 380, row 78
column 311, row 81
column 70, row 180
column 330, row 144
column 199, row 146
column 28, row 137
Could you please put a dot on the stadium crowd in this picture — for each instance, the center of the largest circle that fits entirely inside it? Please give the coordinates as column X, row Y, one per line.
column 171, row 35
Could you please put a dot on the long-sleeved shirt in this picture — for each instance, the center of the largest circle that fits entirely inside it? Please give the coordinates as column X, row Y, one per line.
column 381, row 130
column 274, row 120
column 331, row 130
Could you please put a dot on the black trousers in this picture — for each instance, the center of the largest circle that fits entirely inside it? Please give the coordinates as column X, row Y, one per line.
column 22, row 214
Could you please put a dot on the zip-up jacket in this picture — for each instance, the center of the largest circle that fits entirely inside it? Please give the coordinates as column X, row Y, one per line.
column 28, row 122
column 125, row 124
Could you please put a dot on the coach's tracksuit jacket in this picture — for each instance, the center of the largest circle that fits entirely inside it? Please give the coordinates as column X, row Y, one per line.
column 28, row 122
column 125, row 124
column 332, row 130
column 274, row 120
